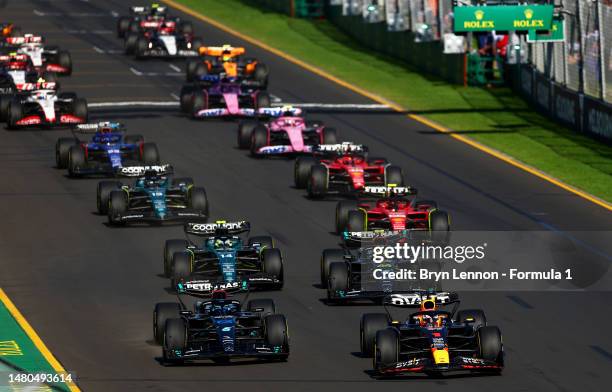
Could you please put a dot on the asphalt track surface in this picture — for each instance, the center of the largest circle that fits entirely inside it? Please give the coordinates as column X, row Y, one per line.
column 89, row 289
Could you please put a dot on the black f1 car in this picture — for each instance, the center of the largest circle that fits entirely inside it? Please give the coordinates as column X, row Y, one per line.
column 155, row 197
column 431, row 340
column 219, row 328
column 224, row 256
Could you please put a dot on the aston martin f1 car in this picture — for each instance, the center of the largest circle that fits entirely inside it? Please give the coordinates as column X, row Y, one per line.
column 224, row 256
column 219, row 328
column 155, row 197
column 288, row 134
column 229, row 61
column 431, row 340
column 389, row 208
column 343, row 169
column 44, row 58
column 39, row 104
column 108, row 150
column 223, row 97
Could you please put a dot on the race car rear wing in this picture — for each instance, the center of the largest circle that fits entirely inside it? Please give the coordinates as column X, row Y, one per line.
column 415, row 298
column 38, row 86
column 340, row 148
column 217, row 228
column 279, row 111
column 96, row 127
column 13, row 57
column 139, row 171
column 25, row 39
column 389, row 190
column 142, row 9
column 356, row 239
column 205, row 287
column 220, row 50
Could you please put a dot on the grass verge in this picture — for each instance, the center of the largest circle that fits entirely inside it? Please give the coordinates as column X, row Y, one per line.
column 495, row 117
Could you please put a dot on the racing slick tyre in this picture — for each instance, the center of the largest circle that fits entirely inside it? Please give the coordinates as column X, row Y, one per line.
column 50, row 77
column 329, row 136
column 263, row 306
column 301, row 171
column 175, row 337
column 277, row 333
column 123, row 25
column 185, row 28
column 79, row 109
column 317, row 182
column 199, row 71
column 65, row 61
column 393, row 175
column 103, row 194
column 190, row 69
column 264, row 241
column 130, row 43
column 245, row 129
column 181, row 268
column 474, row 316
column 170, row 248
column 370, row 324
column 162, row 312
column 62, row 148
column 199, row 102
column 141, row 47
column 338, row 280
column 150, row 154
column 15, row 113
column 185, row 97
column 198, row 200
column 357, row 221
column 490, row 344
column 259, row 139
column 272, row 263
column 262, row 100
column 183, row 181
column 342, row 213
column 439, row 226
column 328, row 257
column 117, row 204
column 386, row 348
column 133, row 139
column 260, row 75
column 4, row 105
column 76, row 159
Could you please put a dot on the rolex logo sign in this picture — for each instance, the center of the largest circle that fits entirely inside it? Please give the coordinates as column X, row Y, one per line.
column 479, row 14
column 528, row 22
column 528, row 13
column 479, row 23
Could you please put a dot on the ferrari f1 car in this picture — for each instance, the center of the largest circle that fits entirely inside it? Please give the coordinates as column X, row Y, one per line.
column 431, row 340
column 285, row 135
column 222, row 97
column 343, row 169
column 148, row 18
column 219, row 328
column 229, row 61
column 109, row 150
column 224, row 256
column 389, row 208
column 39, row 104
column 44, row 58
column 155, row 197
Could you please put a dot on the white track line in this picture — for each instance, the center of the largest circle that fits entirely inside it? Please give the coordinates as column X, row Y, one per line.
column 174, row 68
column 132, row 103
column 135, row 71
column 98, row 50
column 114, row 14
column 173, row 95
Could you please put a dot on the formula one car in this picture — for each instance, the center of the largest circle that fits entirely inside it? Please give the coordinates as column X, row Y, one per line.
column 351, row 273
column 108, row 150
column 343, row 169
column 155, row 197
column 39, row 104
column 149, row 18
column 223, row 97
column 389, row 208
column 9, row 30
column 219, row 328
column 225, row 257
column 44, row 58
column 229, row 61
column 286, row 135
column 164, row 42
column 431, row 341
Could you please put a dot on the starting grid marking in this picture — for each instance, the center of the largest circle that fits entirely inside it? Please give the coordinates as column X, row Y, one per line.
column 308, row 105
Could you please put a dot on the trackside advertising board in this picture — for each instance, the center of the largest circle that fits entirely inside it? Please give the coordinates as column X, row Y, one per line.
column 503, row 18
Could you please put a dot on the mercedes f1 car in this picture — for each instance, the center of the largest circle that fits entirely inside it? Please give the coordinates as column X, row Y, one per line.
column 229, row 61
column 155, row 197
column 109, row 150
column 219, row 328
column 149, row 18
column 39, row 104
column 431, row 340
column 224, row 256
column 285, row 135
column 223, row 97
column 44, row 58
column 343, row 169
column 389, row 208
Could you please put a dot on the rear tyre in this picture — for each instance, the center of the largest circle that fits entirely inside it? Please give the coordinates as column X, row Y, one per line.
column 439, row 226
column 328, row 257
column 245, row 129
column 185, row 97
column 162, row 312
column 103, row 194
column 181, row 268
column 259, row 138
column 490, row 344
column 76, row 160
column 175, row 335
column 357, row 221
column 80, row 110
column 370, row 324
column 338, row 279
column 190, row 67
column 4, row 107
column 198, row 200
column 301, row 171
column 393, row 175
column 277, row 333
column 260, row 75
column 262, row 100
column 170, row 248
column 329, row 136
column 65, row 61
column 62, row 148
column 198, row 102
column 130, row 44
column 15, row 113
column 142, row 44
column 342, row 213
column 199, row 71
column 117, row 205
column 386, row 352
column 262, row 306
column 123, row 25
column 272, row 263
column 150, row 154
column 317, row 182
